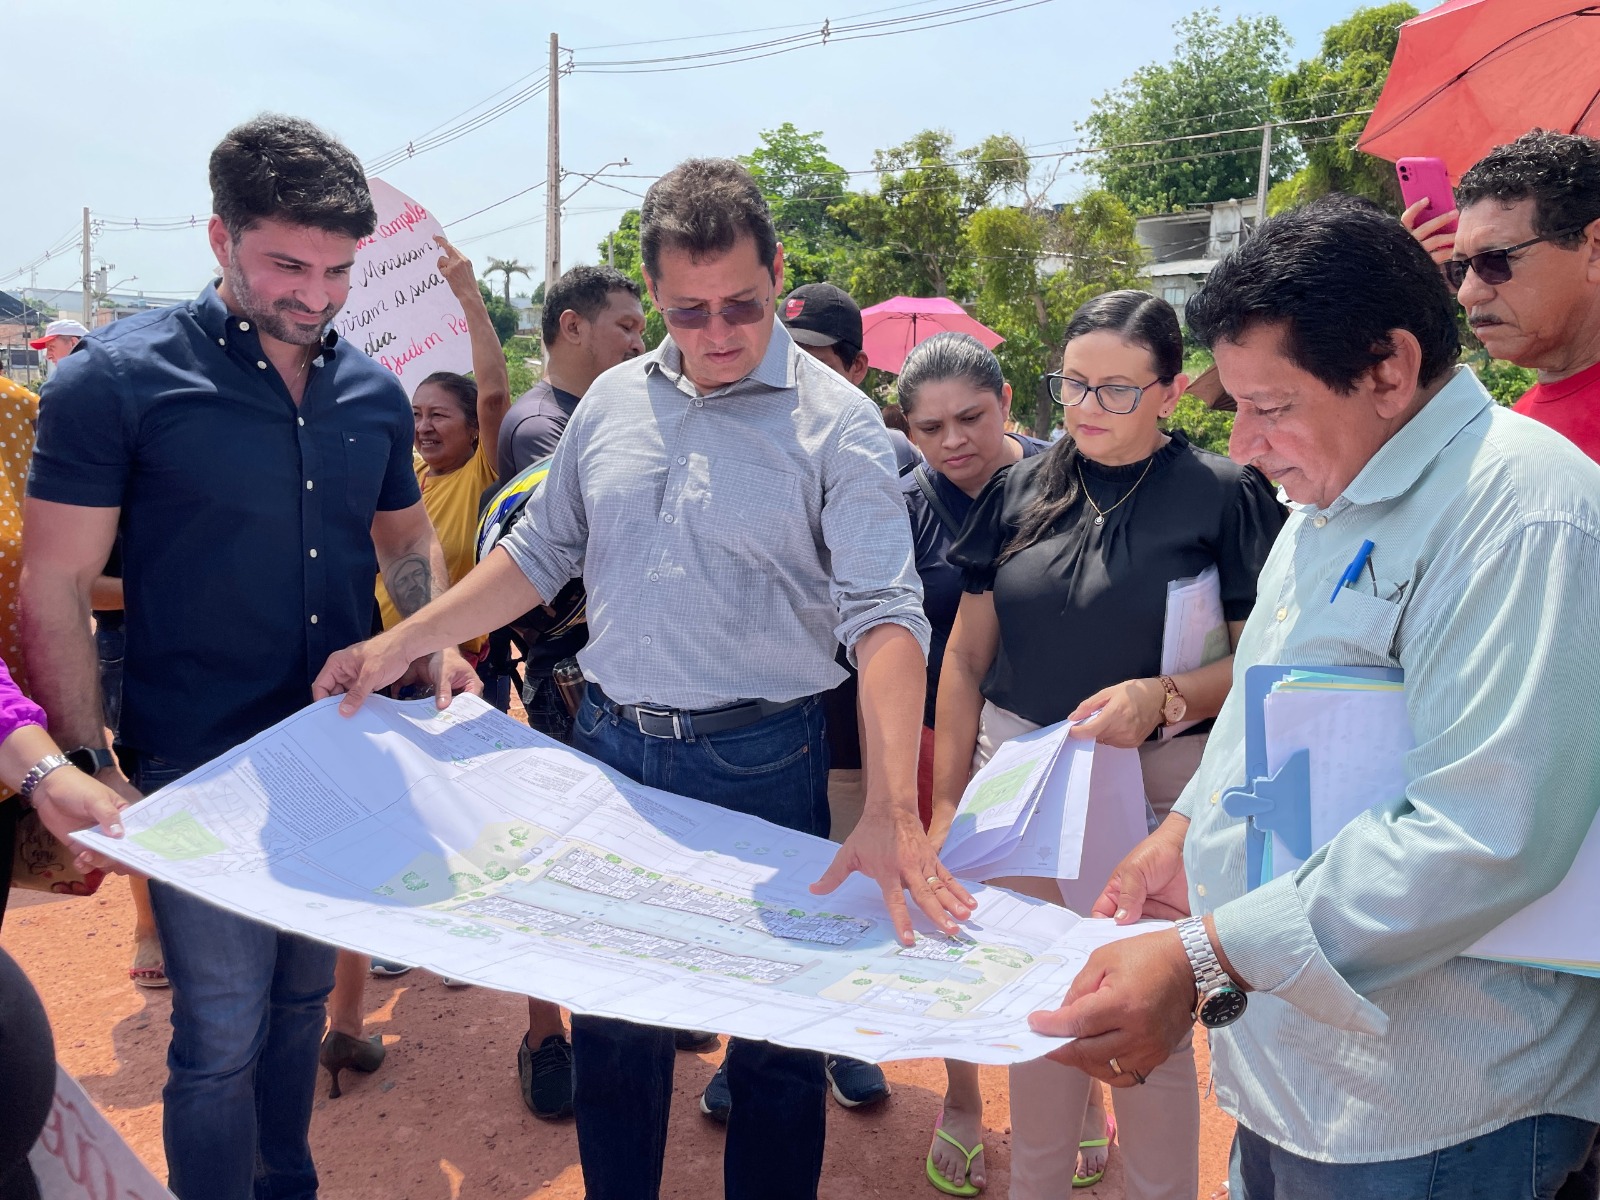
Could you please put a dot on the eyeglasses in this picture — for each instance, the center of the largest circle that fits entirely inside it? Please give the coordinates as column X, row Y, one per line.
column 741, row 312
column 1118, row 398
column 1491, row 266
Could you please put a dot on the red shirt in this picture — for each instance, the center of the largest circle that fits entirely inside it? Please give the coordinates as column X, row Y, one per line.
column 1570, row 407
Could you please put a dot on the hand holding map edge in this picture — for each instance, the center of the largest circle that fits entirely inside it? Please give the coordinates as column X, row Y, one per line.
column 358, row 671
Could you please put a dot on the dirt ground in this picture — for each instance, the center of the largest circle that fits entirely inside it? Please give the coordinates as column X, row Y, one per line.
column 442, row 1120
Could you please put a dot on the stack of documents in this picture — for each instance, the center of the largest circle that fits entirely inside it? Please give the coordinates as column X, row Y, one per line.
column 1045, row 806
column 1195, row 632
column 1323, row 745
column 1357, row 732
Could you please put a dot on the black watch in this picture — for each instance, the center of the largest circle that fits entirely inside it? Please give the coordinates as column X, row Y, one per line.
column 91, row 759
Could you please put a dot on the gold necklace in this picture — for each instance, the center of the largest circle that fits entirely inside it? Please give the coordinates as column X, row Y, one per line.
column 1100, row 513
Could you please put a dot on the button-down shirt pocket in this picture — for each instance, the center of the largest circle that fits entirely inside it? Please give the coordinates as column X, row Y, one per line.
column 1356, row 630
column 760, row 514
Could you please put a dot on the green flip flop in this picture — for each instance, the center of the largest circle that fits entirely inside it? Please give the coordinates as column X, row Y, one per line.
column 936, row 1177
column 1083, row 1181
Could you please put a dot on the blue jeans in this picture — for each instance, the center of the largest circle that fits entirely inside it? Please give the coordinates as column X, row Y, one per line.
column 248, row 1008
column 776, row 768
column 1540, row 1158
column 109, row 640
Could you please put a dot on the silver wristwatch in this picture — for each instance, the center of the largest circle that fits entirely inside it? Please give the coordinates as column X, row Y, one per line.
column 1218, row 1000
column 37, row 772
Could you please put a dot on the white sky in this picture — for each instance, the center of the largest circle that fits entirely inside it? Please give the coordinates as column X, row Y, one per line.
column 117, row 105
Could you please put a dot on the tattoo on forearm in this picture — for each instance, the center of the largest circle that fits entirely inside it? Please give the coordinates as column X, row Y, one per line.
column 410, row 583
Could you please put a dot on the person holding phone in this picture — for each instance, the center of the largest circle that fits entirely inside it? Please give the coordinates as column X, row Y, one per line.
column 1525, row 264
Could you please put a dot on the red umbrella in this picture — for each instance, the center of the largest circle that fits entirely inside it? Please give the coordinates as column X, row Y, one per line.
column 1471, row 75
column 892, row 328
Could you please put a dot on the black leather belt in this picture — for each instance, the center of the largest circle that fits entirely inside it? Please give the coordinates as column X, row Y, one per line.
column 683, row 724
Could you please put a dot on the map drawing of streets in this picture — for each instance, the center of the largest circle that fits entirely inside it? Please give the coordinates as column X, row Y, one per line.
column 467, row 843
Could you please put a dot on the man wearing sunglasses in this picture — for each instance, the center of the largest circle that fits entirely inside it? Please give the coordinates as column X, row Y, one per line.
column 746, row 521
column 1526, row 267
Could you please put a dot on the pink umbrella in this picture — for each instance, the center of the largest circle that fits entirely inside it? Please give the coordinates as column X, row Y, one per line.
column 892, row 328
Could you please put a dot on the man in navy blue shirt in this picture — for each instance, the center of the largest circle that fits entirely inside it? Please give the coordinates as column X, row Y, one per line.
column 260, row 471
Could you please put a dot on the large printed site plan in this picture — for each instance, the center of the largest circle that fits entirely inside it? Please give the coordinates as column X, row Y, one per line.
column 469, row 844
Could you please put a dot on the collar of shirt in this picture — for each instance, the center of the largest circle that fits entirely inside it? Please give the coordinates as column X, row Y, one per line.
column 567, row 401
column 1564, row 389
column 1416, row 445
column 238, row 334
column 775, row 370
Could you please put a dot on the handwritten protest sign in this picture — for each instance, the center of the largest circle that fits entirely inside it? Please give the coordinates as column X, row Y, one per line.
column 401, row 310
column 79, row 1156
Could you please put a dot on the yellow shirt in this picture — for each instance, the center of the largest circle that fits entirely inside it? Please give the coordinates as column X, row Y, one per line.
column 19, row 413
column 451, row 502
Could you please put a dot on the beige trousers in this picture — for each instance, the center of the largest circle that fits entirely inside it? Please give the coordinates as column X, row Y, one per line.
column 1158, row 1124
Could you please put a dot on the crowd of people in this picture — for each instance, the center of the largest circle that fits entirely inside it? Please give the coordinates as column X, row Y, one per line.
column 727, row 576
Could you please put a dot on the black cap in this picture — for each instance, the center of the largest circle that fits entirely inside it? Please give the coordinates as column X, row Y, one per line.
column 819, row 314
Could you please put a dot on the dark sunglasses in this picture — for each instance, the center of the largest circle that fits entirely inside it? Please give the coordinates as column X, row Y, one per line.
column 741, row 312
column 1118, row 398
column 1491, row 266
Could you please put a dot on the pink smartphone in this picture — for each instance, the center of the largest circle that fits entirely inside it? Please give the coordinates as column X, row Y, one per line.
column 1426, row 178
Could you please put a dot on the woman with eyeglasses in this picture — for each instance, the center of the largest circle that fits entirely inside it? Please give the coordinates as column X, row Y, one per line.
column 1066, row 561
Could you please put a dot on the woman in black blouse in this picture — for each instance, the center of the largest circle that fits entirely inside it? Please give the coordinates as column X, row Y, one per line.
column 1066, row 560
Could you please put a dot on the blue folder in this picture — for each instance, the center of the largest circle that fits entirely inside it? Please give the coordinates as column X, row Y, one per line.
column 1278, row 802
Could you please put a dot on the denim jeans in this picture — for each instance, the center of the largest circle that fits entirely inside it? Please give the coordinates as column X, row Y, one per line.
column 248, row 1008
column 776, row 768
column 1540, row 1158
column 109, row 640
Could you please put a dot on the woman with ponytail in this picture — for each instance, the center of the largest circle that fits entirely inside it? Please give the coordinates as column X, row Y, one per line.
column 1066, row 560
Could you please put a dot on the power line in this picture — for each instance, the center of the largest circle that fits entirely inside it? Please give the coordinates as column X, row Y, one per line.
column 701, row 37
column 1074, row 152
column 496, row 204
column 540, row 72
column 459, row 130
column 826, row 33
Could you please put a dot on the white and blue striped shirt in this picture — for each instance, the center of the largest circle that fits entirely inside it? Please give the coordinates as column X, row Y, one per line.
column 1369, row 1039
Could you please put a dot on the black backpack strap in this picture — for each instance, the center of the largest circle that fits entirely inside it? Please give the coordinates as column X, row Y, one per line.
column 924, row 478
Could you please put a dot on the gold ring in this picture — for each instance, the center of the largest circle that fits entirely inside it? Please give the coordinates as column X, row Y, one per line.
column 1140, row 1079
column 934, row 881
column 1116, row 1067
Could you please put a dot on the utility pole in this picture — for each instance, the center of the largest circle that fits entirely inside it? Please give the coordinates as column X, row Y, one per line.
column 552, row 179
column 1264, row 178
column 88, row 275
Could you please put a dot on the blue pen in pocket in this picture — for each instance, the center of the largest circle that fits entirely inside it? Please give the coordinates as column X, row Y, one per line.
column 1353, row 571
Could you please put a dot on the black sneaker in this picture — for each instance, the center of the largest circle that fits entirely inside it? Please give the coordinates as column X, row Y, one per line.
column 546, row 1077
column 694, row 1041
column 716, row 1101
column 855, row 1083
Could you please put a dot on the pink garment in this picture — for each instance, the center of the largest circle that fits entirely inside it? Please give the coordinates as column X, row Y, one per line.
column 16, row 710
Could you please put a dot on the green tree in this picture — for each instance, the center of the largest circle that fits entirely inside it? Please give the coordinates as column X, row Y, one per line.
column 623, row 244
column 1219, row 77
column 1345, row 76
column 801, row 184
column 507, row 267
column 911, row 233
column 1035, row 265
column 501, row 313
column 518, row 351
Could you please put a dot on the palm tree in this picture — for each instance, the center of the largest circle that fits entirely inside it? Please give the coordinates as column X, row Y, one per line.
column 507, row 268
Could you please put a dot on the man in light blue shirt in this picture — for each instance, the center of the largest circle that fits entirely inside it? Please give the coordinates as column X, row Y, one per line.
column 1369, row 1058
